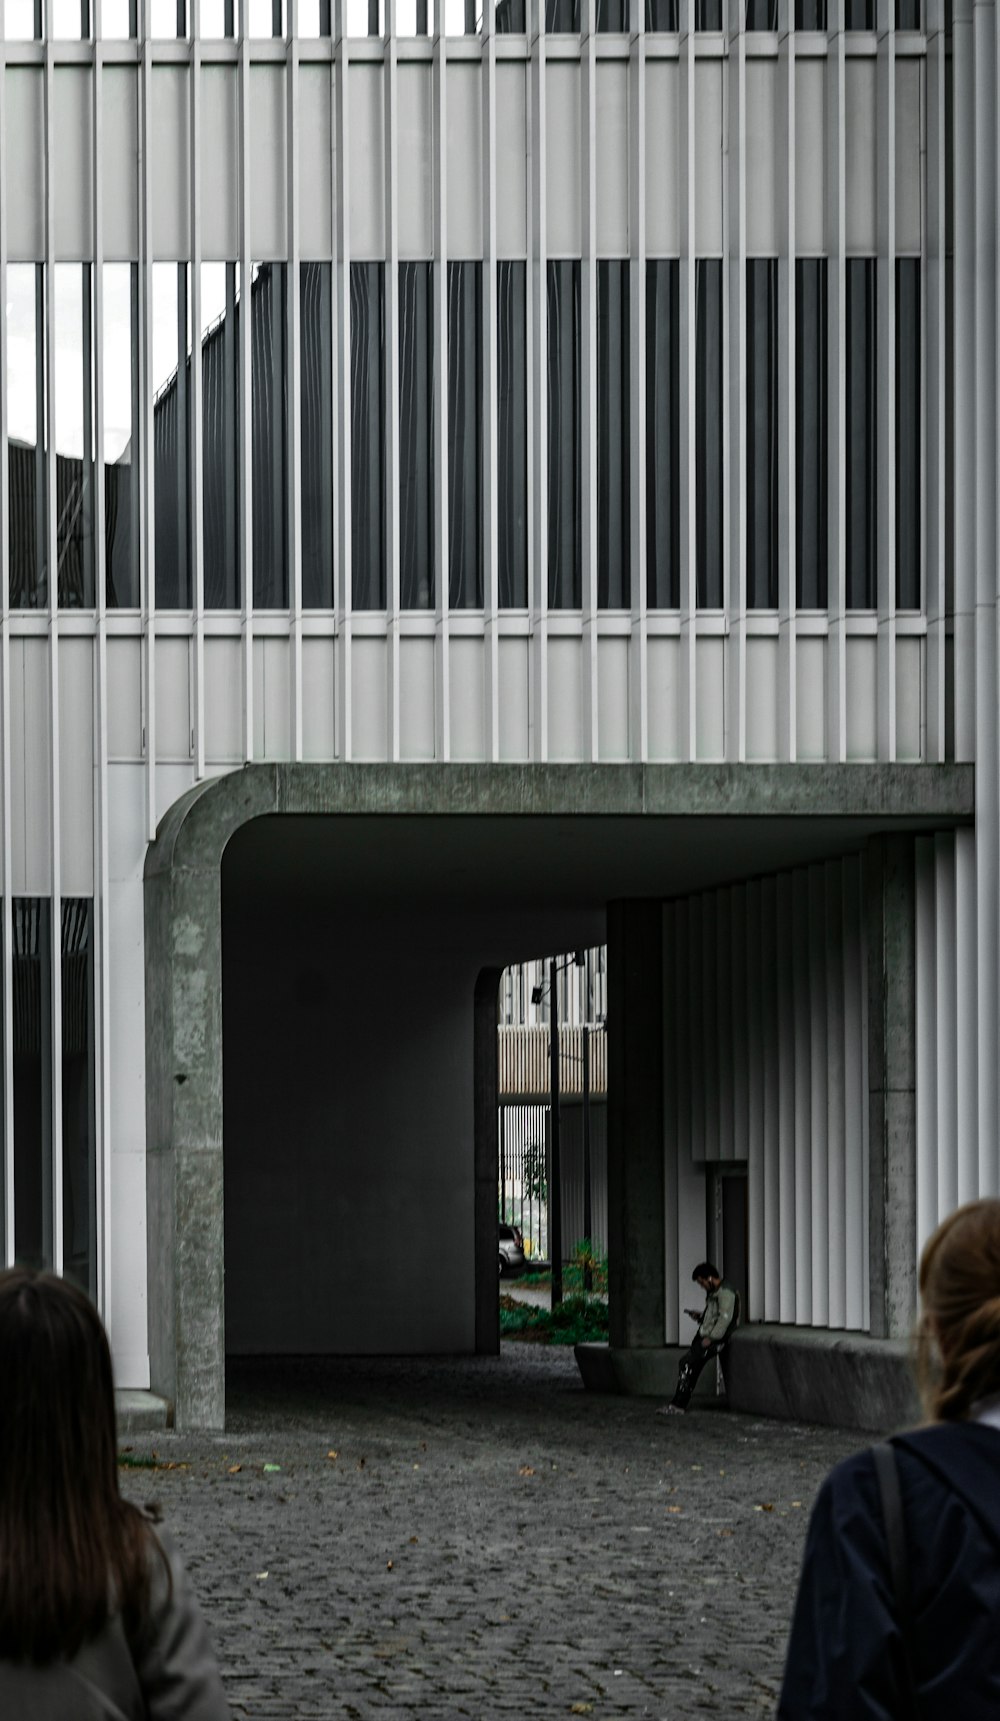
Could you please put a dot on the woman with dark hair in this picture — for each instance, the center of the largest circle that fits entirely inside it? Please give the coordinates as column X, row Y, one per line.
column 97, row 1617
column 898, row 1610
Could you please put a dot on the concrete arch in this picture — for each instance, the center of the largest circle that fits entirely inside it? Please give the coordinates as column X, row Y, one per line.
column 780, row 810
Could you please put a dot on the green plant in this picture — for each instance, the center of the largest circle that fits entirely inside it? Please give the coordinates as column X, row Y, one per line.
column 576, row 1320
column 591, row 1267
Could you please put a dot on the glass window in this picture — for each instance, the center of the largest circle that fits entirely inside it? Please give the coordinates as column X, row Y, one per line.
column 762, row 14
column 810, row 14
column 315, row 18
column 218, row 19
column 413, row 17
column 172, row 514
column 565, row 585
column 269, row 439
column 811, row 446
column 908, row 426
column 762, row 433
column 663, row 558
column 510, row 18
column 220, row 381
column 368, row 573
column 708, row 14
column 465, row 436
column 861, row 434
column 614, row 437
column 512, row 435
column 69, row 20
column 907, row 14
column 78, row 1108
column 74, row 435
column 23, row 20
column 119, row 19
column 121, row 442
column 168, row 18
column 416, row 436
column 265, row 18
column 859, row 14
column 562, row 17
column 316, row 433
column 661, row 15
column 612, row 17
column 32, row 1071
column 708, row 432
column 26, row 446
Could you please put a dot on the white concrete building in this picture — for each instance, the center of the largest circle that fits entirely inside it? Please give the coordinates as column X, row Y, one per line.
column 598, row 506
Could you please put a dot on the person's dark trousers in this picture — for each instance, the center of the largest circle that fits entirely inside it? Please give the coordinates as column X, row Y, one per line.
column 692, row 1363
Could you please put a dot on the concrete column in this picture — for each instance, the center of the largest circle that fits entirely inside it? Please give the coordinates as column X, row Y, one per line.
column 486, row 1161
column 636, row 1231
column 890, row 926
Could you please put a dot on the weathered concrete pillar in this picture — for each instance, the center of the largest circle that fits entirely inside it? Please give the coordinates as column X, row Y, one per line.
column 636, row 1271
column 487, row 1157
column 890, row 926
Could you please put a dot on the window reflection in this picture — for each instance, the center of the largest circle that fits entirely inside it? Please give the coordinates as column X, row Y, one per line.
column 220, row 378
column 74, row 434
column 416, row 436
column 862, row 433
column 614, row 492
column 762, row 433
column 708, row 431
column 661, row 15
column 69, row 20
column 167, row 18
column 368, row 435
column 172, row 513
column 31, row 933
column 78, row 1115
column 23, row 20
column 119, row 19
column 908, row 425
column 512, row 434
column 564, row 448
column 316, row 426
column 268, row 435
column 663, row 562
column 465, row 435
column 811, row 432
column 121, row 445
column 509, row 18
column 26, row 447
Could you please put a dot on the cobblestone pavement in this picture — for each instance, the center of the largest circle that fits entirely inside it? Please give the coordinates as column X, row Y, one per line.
column 478, row 1537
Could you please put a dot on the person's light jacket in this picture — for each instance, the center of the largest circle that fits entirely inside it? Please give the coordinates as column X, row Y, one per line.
column 846, row 1655
column 720, row 1308
column 168, row 1674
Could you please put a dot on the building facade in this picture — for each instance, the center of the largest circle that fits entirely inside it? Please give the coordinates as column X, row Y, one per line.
column 598, row 505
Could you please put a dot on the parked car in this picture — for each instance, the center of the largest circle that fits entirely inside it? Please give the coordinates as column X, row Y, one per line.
column 512, row 1257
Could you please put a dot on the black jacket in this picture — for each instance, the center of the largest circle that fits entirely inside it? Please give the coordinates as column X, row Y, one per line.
column 845, row 1655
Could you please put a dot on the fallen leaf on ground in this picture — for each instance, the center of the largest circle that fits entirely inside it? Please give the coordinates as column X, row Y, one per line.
column 261, row 1576
column 332, row 1453
column 581, row 1709
column 767, row 1506
column 234, row 1469
column 269, row 1469
column 675, row 1508
column 388, row 1565
column 526, row 1470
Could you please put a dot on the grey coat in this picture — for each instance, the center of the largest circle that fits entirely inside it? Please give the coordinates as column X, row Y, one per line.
column 168, row 1674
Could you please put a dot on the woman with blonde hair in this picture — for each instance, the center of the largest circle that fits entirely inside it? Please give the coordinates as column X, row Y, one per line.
column 898, row 1609
column 98, row 1621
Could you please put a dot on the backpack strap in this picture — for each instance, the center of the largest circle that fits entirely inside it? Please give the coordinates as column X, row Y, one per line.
column 887, row 1475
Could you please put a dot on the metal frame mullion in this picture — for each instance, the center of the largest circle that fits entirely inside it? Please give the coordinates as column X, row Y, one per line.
column 293, row 384
column 735, row 410
column 836, row 667
column 886, row 384
column 442, row 571
column 100, row 923
column 638, row 642
column 491, row 545
column 589, row 381
column 244, row 360
column 538, row 341
column 391, row 247
column 787, row 476
column 6, row 832
column 55, row 828
column 687, row 677
column 342, row 415
column 933, row 314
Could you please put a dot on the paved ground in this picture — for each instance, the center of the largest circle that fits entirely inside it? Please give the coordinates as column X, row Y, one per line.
column 480, row 1537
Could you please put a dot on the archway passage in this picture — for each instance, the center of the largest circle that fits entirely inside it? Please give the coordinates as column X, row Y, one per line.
column 363, row 910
